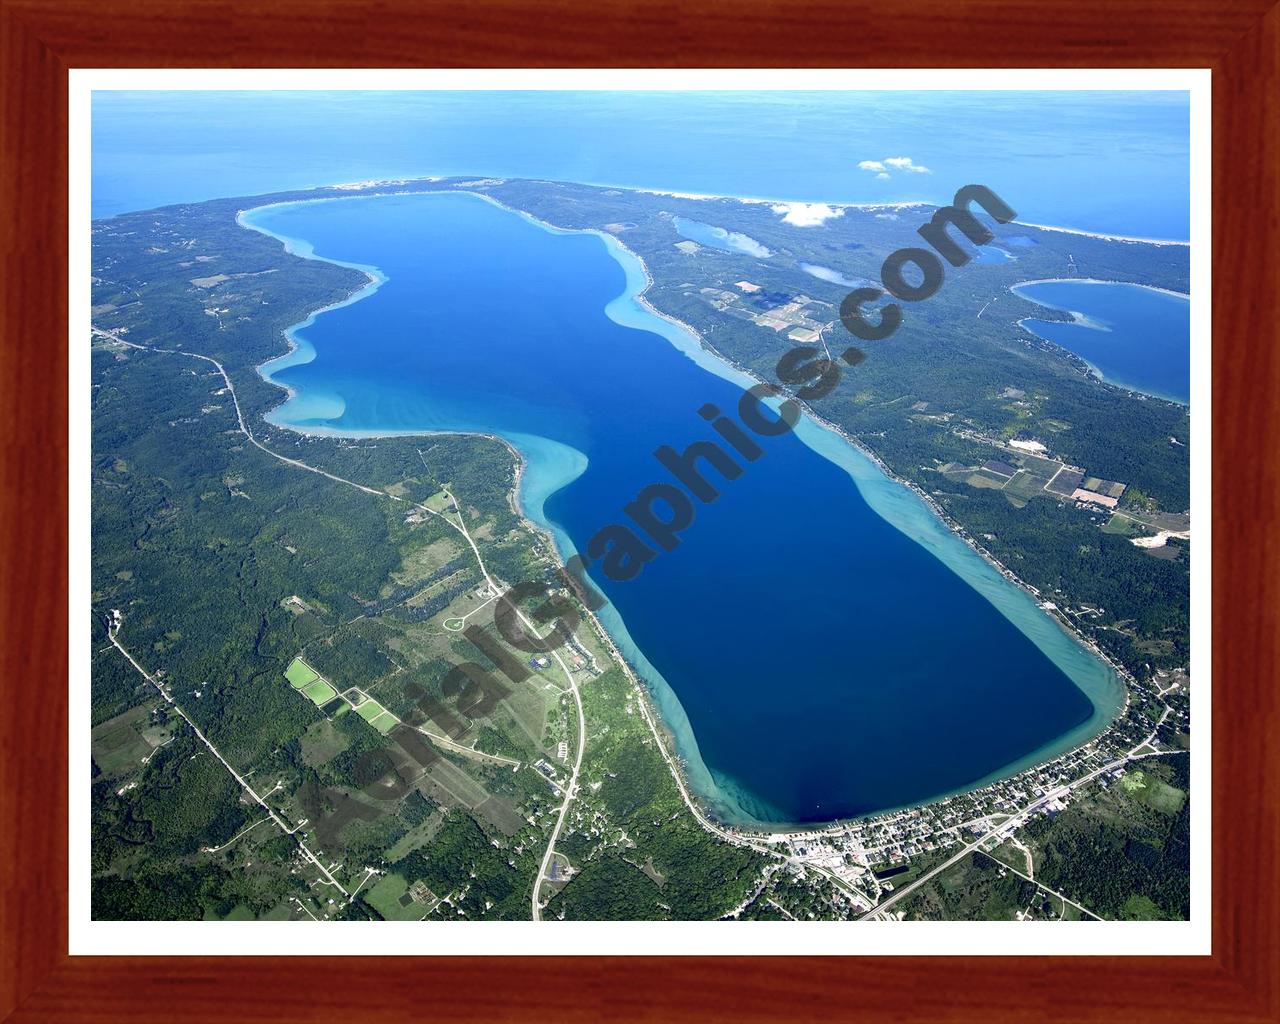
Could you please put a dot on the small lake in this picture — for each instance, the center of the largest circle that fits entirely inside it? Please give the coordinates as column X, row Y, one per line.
column 835, row 277
column 719, row 238
column 820, row 644
column 994, row 254
column 1132, row 336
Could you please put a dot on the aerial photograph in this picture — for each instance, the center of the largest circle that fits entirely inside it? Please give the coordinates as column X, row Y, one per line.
column 636, row 505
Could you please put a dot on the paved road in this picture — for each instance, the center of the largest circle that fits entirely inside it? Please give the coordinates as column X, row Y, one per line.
column 111, row 633
column 1020, row 818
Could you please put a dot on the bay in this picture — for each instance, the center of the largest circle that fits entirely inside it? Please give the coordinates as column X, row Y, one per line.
column 1132, row 336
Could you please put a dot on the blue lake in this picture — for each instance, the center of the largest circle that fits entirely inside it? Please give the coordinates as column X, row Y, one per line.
column 1134, row 337
column 994, row 254
column 820, row 645
column 719, row 238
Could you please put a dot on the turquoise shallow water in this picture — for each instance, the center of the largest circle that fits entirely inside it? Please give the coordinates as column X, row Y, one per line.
column 1135, row 337
column 819, row 643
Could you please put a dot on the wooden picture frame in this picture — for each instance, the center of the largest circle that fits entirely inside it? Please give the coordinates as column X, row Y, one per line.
column 41, row 40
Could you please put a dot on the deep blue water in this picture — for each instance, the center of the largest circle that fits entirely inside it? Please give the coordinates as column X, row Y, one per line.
column 1036, row 149
column 1136, row 337
column 828, row 664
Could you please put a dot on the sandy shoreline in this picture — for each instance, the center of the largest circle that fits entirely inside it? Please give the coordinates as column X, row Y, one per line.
column 1097, row 280
column 749, row 200
column 895, row 205
column 1084, row 321
column 1098, row 234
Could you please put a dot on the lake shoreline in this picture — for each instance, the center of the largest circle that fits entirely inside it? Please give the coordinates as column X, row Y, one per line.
column 663, row 732
column 1111, row 378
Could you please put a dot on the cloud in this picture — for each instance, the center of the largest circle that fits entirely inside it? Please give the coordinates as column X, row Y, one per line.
column 882, row 168
column 905, row 163
column 886, row 216
column 807, row 215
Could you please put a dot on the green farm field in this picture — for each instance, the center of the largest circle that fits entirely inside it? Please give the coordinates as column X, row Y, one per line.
column 299, row 674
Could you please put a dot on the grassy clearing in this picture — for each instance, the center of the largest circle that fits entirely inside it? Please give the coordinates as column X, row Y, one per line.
column 319, row 692
column 1122, row 526
column 384, row 722
column 1133, row 781
column 1162, row 797
column 1140, row 908
column 299, row 674
column 118, row 742
column 385, row 898
column 376, row 715
column 321, row 743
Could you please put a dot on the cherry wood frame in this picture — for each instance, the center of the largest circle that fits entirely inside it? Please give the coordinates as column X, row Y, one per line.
column 41, row 39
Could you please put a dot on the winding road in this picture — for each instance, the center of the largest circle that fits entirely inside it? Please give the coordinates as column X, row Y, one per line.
column 461, row 527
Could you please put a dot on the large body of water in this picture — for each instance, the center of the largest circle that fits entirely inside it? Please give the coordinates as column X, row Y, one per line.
column 1132, row 336
column 819, row 643
column 1034, row 148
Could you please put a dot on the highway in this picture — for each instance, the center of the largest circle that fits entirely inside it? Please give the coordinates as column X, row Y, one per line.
column 1021, row 817
column 571, row 788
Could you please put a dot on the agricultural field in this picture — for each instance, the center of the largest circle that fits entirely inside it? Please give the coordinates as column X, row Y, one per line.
column 121, row 744
column 300, row 674
column 376, row 715
column 303, row 678
column 391, row 898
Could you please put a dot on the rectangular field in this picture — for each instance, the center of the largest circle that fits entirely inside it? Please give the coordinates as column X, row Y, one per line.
column 376, row 715
column 390, row 898
column 319, row 692
column 1026, row 485
column 299, row 674
column 118, row 742
column 1065, row 483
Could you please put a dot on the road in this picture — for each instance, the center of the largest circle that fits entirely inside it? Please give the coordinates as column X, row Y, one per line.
column 570, row 789
column 111, row 633
column 217, row 849
column 1051, row 892
column 1020, row 818
column 461, row 527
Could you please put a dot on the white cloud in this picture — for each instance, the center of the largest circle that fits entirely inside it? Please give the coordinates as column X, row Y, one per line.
column 905, row 163
column 881, row 168
column 886, row 216
column 807, row 215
